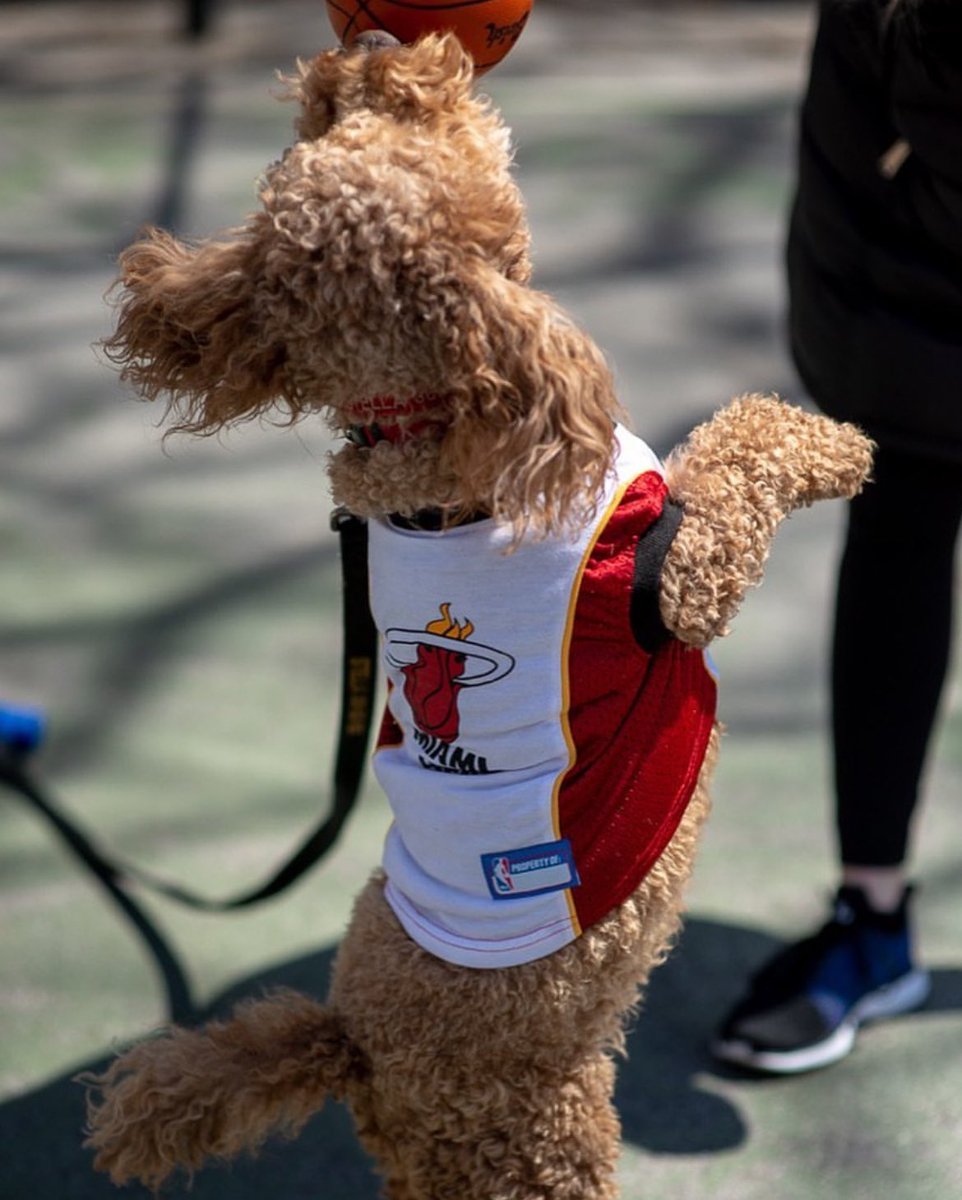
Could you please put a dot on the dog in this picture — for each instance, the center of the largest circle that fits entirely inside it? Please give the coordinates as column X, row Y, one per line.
column 544, row 588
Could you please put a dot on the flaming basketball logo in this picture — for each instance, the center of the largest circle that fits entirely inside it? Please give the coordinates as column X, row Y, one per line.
column 437, row 662
column 431, row 683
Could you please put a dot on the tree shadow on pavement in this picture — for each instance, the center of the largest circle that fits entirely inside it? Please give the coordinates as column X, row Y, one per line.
column 41, row 1134
column 663, row 1106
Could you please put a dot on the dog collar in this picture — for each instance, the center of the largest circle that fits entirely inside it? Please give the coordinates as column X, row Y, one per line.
column 433, row 520
column 392, row 420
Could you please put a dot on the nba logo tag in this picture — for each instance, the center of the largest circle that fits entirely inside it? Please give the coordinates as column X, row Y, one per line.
column 501, row 875
column 530, row 870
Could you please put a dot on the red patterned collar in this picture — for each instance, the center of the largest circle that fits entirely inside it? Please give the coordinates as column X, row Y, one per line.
column 386, row 419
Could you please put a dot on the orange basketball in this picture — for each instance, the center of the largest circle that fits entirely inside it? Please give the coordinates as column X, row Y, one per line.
column 486, row 28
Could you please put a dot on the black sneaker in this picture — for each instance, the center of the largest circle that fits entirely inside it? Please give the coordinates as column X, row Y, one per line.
column 804, row 1008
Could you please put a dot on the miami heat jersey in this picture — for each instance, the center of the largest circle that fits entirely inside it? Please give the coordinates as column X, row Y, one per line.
column 536, row 757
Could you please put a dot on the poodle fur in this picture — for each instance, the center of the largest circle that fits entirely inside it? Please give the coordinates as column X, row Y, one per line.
column 390, row 259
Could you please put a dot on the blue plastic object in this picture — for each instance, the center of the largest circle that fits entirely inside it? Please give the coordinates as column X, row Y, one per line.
column 21, row 729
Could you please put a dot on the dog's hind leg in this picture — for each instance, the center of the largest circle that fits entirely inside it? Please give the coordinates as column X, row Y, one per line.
column 565, row 1144
column 543, row 1135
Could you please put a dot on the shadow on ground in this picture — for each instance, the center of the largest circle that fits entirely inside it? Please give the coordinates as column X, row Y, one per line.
column 665, row 1108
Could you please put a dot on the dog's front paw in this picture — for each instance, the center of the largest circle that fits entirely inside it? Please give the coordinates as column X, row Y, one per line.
column 737, row 477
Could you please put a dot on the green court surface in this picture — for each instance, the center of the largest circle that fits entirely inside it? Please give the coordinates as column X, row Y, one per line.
column 174, row 607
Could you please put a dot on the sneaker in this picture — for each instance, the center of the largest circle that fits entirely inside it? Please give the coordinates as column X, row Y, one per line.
column 804, row 1008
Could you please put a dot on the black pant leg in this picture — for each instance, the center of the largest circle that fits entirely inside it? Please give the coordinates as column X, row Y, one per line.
column 891, row 649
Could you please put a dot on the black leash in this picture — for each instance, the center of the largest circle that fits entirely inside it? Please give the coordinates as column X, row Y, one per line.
column 13, row 774
column 358, row 678
column 20, row 736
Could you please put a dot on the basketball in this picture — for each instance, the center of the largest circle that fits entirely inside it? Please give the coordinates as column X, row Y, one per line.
column 486, row 28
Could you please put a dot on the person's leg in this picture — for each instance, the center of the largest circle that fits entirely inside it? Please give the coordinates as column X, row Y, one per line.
column 883, row 887
column 891, row 649
column 890, row 655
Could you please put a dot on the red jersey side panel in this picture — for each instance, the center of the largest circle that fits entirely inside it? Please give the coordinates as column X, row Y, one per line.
column 639, row 722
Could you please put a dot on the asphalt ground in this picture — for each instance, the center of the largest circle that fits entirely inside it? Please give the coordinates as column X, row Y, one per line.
column 174, row 608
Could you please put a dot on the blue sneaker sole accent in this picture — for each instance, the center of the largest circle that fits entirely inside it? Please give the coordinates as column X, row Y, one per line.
column 903, row 995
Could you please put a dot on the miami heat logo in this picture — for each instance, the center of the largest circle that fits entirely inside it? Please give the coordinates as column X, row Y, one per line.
column 437, row 662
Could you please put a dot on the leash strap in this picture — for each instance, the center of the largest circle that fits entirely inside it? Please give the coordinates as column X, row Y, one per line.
column 358, row 679
column 180, row 1005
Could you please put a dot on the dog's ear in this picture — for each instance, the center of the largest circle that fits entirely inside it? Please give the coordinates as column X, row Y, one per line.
column 187, row 329
column 412, row 82
column 534, row 409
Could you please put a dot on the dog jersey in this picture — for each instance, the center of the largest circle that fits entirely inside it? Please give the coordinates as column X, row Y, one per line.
column 536, row 757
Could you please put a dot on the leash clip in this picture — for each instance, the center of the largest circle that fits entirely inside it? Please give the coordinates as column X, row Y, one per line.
column 342, row 517
column 365, row 436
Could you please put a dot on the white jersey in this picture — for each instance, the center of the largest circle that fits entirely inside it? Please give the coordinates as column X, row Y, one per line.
column 496, row 754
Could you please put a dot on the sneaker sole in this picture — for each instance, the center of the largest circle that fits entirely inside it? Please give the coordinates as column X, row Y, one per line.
column 901, row 996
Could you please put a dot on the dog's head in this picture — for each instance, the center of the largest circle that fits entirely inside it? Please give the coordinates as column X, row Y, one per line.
column 383, row 282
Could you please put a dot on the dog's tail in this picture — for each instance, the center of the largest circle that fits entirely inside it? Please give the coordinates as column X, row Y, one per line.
column 190, row 1095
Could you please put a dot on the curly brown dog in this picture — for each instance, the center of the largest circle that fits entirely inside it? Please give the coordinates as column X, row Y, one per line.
column 384, row 283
